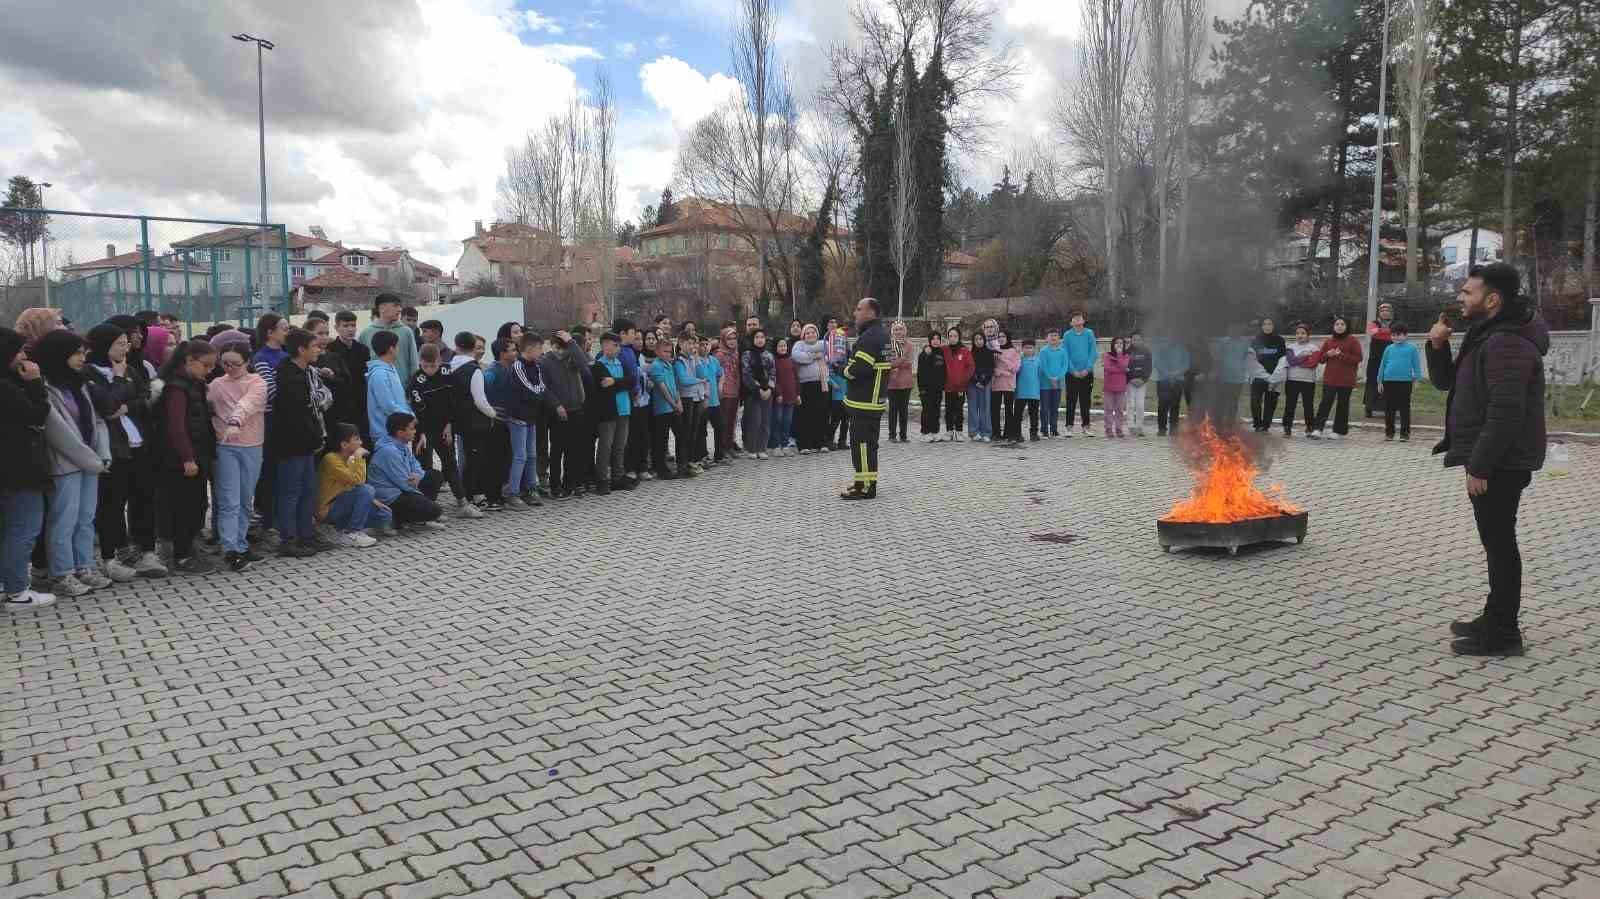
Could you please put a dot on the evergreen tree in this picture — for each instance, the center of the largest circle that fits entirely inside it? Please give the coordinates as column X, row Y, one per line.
column 666, row 212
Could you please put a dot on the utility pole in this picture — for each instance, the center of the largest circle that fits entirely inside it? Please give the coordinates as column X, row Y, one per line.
column 261, row 134
column 44, row 242
column 1377, row 171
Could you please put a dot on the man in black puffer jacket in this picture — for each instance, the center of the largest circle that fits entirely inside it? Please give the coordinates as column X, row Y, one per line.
column 1494, row 426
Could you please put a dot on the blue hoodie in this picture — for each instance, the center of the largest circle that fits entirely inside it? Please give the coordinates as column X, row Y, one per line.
column 1401, row 362
column 1052, row 366
column 1029, row 380
column 385, row 395
column 389, row 470
column 1082, row 351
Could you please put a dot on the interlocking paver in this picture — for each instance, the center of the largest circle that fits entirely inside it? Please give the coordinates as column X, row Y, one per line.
column 1162, row 725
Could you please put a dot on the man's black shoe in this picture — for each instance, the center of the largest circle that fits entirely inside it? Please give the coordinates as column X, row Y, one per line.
column 236, row 562
column 687, row 473
column 1469, row 628
column 623, row 483
column 251, row 555
column 856, row 493
column 1490, row 642
column 666, row 474
column 602, row 489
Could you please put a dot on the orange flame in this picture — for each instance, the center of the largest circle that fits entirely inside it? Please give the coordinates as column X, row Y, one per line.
column 1225, row 489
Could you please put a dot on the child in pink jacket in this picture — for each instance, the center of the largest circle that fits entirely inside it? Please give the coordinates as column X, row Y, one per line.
column 1116, row 386
column 1003, row 390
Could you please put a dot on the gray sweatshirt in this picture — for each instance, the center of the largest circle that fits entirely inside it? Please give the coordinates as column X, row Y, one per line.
column 563, row 377
column 810, row 361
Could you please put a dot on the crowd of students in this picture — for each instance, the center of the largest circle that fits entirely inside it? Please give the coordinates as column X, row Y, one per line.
column 299, row 440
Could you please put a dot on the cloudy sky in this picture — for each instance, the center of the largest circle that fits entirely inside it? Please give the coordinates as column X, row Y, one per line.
column 387, row 120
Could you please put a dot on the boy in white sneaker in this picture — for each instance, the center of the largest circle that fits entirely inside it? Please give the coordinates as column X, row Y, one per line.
column 398, row 481
column 346, row 503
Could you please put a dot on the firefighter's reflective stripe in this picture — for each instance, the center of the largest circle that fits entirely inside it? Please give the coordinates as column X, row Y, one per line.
column 876, row 402
column 863, row 476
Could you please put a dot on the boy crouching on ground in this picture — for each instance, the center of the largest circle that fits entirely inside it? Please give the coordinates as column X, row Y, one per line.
column 398, row 480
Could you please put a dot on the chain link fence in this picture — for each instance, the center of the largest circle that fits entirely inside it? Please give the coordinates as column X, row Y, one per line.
column 95, row 265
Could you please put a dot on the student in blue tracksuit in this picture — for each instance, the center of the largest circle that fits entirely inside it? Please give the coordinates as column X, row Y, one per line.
column 1030, row 376
column 1398, row 371
column 1052, row 375
column 665, row 407
column 711, row 370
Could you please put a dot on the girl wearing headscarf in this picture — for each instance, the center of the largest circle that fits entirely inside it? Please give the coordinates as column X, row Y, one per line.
column 80, row 450
column 157, row 346
column 1269, row 367
column 35, row 323
column 25, row 478
column 119, row 399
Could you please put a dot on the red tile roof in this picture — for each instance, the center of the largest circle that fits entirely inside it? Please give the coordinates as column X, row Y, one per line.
column 128, row 260
column 340, row 276
column 240, row 235
column 424, row 269
column 958, row 259
column 695, row 214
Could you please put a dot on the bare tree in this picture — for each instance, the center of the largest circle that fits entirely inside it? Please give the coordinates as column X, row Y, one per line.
column 742, row 157
column 959, row 33
column 605, row 186
column 515, row 191
column 903, row 205
column 1414, row 75
column 1093, row 108
column 1158, row 16
column 1192, row 26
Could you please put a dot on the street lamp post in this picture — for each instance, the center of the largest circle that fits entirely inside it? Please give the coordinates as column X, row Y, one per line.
column 1377, row 173
column 44, row 242
column 261, row 133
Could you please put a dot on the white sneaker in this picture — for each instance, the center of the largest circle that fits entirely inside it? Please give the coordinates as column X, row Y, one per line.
column 358, row 540
column 385, row 532
column 29, row 599
column 67, row 585
column 117, row 571
column 434, row 525
column 955, row 436
column 1085, row 432
column 762, row 456
column 465, row 509
column 149, row 565
column 92, row 578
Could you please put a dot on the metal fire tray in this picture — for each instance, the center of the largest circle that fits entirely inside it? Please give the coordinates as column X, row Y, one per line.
column 1230, row 535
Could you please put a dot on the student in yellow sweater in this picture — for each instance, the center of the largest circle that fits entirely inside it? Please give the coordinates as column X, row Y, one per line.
column 345, row 503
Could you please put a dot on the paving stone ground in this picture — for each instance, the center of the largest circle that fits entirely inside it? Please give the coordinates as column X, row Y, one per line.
column 738, row 686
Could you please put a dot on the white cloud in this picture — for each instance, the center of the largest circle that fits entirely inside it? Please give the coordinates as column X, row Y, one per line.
column 1052, row 17
column 626, row 49
column 531, row 20
column 663, row 41
column 679, row 89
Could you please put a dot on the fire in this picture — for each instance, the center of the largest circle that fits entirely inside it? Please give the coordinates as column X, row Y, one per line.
column 1225, row 489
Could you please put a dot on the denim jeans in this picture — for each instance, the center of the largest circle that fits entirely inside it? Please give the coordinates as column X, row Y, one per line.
column 524, row 474
column 23, row 514
column 296, row 496
column 353, row 510
column 782, row 426
column 978, row 423
column 70, row 523
column 238, row 468
column 1050, row 410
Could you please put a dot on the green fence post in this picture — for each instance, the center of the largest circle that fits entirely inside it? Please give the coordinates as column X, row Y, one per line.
column 246, row 301
column 283, row 266
column 144, row 261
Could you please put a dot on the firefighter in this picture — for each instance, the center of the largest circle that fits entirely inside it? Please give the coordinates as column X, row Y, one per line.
column 866, row 376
